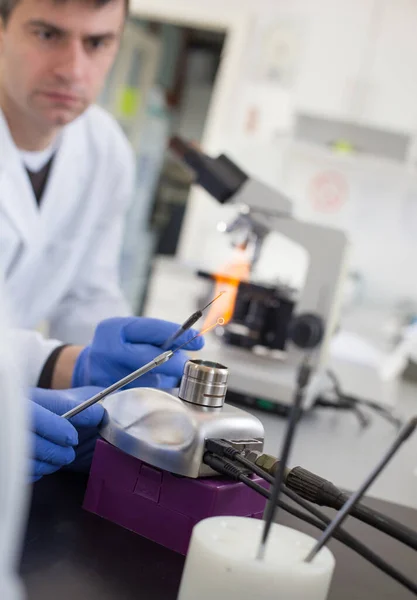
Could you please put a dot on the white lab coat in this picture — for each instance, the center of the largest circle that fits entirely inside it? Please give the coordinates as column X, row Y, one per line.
column 60, row 261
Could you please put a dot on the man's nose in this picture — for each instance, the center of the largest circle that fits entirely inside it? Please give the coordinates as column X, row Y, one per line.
column 71, row 62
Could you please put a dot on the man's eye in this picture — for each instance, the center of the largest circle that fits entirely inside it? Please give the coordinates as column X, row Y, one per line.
column 97, row 43
column 46, row 34
column 94, row 44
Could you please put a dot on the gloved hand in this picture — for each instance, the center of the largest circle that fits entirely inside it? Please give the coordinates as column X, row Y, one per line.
column 55, row 441
column 122, row 345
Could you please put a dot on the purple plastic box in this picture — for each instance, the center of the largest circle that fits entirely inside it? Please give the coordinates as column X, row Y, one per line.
column 158, row 505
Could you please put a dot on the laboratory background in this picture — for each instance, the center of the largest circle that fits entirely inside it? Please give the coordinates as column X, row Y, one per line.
column 316, row 99
column 308, row 220
column 313, row 99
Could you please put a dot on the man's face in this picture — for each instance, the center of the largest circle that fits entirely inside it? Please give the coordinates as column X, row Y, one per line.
column 54, row 57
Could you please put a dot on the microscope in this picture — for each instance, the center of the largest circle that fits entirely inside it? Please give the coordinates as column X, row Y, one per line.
column 150, row 469
column 273, row 328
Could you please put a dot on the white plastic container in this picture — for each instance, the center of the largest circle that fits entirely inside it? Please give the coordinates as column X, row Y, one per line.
column 222, row 563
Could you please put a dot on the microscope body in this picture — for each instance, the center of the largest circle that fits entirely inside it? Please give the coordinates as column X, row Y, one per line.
column 277, row 324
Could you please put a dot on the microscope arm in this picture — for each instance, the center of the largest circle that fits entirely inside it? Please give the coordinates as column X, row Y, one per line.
column 260, row 198
column 321, row 295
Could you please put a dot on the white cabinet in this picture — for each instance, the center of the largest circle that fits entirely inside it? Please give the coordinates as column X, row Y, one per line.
column 359, row 63
column 390, row 101
column 333, row 49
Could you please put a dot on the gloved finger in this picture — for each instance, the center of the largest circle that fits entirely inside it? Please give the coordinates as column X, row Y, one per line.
column 156, row 332
column 52, row 427
column 139, row 355
column 39, row 469
column 90, row 417
column 187, row 336
column 151, row 380
column 84, row 451
column 61, row 401
column 46, row 451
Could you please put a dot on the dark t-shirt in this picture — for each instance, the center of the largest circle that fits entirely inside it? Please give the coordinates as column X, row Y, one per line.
column 40, row 179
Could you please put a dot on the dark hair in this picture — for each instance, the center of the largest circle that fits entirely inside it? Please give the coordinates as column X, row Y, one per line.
column 7, row 6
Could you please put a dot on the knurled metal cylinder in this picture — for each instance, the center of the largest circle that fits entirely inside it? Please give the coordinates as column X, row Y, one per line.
column 204, row 383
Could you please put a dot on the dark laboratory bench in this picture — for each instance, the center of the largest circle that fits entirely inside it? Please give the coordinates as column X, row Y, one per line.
column 69, row 553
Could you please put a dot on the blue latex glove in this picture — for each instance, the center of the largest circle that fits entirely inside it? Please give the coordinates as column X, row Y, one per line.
column 122, row 345
column 56, row 442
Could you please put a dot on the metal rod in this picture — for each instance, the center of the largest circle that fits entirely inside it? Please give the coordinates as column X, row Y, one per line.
column 404, row 434
column 213, row 301
column 192, row 320
column 280, row 475
column 156, row 362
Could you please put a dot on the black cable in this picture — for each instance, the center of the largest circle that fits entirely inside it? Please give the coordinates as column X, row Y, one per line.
column 403, row 436
column 385, row 524
column 292, row 495
column 343, row 404
column 383, row 412
column 226, row 467
column 318, row 490
column 346, row 538
column 233, row 454
column 228, row 451
column 342, row 537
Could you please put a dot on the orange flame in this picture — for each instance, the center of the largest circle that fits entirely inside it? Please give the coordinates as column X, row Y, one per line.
column 219, row 321
column 205, row 330
column 228, row 281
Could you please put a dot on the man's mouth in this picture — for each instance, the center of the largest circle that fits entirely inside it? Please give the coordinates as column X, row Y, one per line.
column 62, row 98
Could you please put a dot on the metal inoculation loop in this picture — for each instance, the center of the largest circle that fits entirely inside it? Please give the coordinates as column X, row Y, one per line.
column 204, row 383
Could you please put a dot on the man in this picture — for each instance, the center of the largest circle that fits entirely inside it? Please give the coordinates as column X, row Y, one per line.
column 66, row 180
column 66, row 169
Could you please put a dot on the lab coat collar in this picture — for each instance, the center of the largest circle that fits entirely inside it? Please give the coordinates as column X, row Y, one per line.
column 10, row 151
column 17, row 199
column 6, row 143
column 67, row 178
column 60, row 195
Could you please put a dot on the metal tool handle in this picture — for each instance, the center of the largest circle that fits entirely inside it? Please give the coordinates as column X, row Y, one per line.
column 156, row 362
column 190, row 322
column 184, row 327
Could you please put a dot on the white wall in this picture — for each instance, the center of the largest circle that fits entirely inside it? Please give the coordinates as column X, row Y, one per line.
column 336, row 42
column 392, row 83
column 357, row 60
